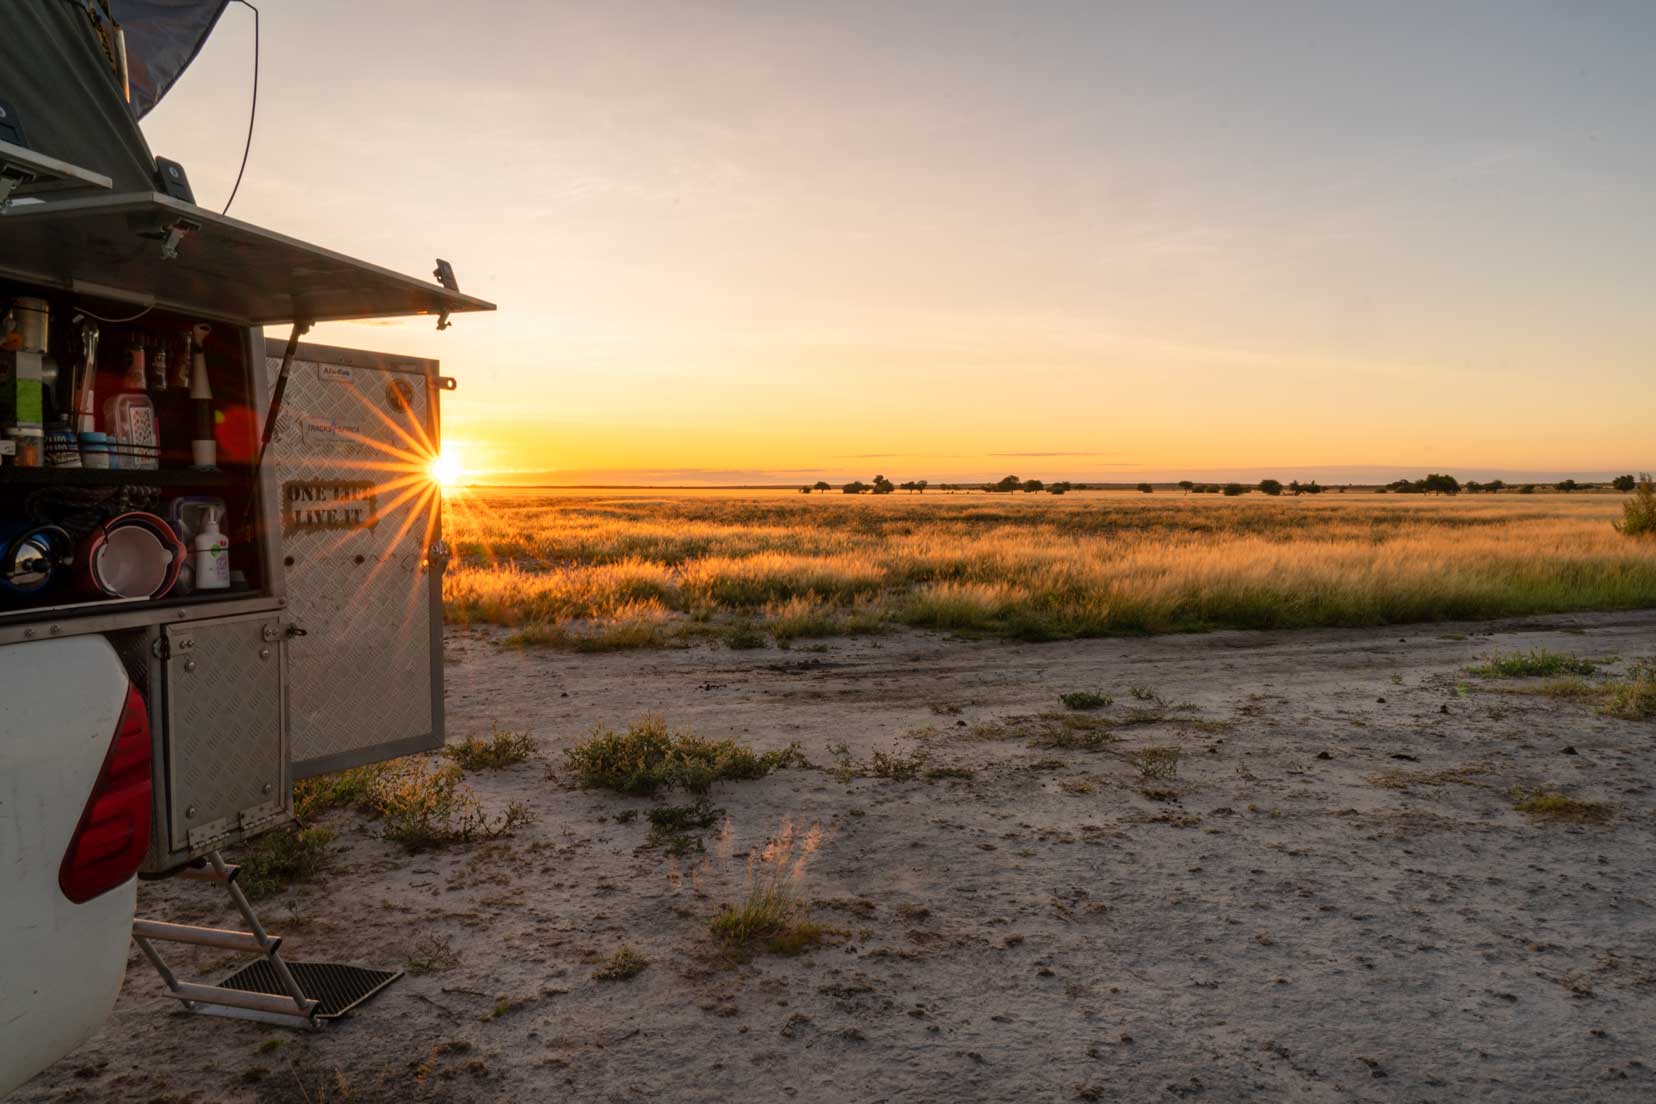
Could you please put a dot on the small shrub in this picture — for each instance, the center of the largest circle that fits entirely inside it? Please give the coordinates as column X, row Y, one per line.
column 1555, row 807
column 673, row 826
column 424, row 807
column 1533, row 664
column 431, row 954
column 623, row 965
column 896, row 767
column 1085, row 699
column 276, row 860
column 1071, row 733
column 503, row 748
column 744, row 638
column 1156, row 762
column 1634, row 699
column 347, row 789
column 942, row 774
column 1145, row 694
column 1639, row 512
column 648, row 757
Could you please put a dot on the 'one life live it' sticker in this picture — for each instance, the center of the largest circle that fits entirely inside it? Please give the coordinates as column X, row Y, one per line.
column 316, row 504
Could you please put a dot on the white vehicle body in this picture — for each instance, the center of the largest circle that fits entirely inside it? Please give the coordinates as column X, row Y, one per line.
column 60, row 701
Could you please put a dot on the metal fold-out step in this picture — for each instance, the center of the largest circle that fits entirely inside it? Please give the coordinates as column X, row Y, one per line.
column 336, row 989
column 291, row 994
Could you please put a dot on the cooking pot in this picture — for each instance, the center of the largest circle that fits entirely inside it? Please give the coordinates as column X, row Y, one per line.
column 133, row 555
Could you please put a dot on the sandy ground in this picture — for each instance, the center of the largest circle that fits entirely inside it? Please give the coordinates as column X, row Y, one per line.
column 1278, row 927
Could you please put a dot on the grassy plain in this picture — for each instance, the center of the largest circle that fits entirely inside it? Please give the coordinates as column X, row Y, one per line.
column 597, row 571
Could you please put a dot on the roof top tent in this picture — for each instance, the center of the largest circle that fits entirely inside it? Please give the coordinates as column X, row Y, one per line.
column 251, row 524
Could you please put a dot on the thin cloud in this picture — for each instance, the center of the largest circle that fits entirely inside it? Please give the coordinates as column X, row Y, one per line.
column 1040, row 454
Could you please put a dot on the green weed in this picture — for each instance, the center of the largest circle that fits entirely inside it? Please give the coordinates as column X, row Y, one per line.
column 647, row 757
column 503, row 748
column 276, row 860
column 1532, row 664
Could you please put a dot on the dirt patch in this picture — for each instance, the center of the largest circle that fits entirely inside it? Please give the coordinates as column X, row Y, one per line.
column 1323, row 891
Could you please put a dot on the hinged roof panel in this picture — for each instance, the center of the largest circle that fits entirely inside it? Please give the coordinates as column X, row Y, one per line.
column 117, row 246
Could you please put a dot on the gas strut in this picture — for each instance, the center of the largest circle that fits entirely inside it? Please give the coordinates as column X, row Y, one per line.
column 300, row 328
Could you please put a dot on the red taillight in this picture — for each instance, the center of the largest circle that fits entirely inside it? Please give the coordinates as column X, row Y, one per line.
column 113, row 834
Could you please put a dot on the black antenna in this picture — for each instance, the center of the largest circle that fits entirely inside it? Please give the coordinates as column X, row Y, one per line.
column 253, row 112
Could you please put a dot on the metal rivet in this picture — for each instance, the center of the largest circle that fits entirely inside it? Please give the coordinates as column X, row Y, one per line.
column 56, row 630
column 189, row 812
column 268, row 787
column 28, row 632
column 264, row 653
column 189, row 664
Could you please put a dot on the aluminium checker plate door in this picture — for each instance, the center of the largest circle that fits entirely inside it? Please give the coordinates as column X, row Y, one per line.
column 360, row 516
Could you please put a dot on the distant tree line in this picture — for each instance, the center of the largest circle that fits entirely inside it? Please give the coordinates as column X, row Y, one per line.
column 1433, row 483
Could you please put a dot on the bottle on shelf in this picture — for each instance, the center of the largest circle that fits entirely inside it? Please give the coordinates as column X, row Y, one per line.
column 212, row 556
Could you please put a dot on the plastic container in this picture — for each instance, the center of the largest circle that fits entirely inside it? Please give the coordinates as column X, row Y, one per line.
column 62, row 448
column 130, row 420
column 94, row 448
column 30, row 444
column 34, row 323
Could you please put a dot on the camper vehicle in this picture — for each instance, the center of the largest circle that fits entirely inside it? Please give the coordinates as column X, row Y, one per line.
column 220, row 558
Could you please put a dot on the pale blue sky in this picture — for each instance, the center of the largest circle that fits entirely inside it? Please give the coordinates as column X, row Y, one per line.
column 1142, row 237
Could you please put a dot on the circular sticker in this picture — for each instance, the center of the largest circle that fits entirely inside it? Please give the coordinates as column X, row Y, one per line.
column 399, row 393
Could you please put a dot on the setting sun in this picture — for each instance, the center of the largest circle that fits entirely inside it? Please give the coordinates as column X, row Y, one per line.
column 446, row 468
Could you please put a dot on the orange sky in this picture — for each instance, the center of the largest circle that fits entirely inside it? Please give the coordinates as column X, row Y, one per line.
column 747, row 242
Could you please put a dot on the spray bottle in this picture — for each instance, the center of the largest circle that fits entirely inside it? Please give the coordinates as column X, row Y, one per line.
column 203, row 449
column 212, row 556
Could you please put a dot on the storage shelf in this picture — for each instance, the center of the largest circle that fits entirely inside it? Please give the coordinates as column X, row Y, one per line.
column 107, row 477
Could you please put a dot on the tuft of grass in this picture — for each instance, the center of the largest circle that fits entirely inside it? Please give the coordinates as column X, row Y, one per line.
column 276, row 860
column 503, row 748
column 1558, row 808
column 772, row 916
column 624, row 965
column 1155, row 763
column 1085, row 699
column 942, row 774
column 614, row 636
column 1402, row 779
column 1534, row 664
column 647, row 757
column 1633, row 699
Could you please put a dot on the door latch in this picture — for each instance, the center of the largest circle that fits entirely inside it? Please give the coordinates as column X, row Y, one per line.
column 438, row 555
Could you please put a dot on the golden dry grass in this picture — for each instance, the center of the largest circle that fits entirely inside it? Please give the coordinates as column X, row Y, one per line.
column 616, row 570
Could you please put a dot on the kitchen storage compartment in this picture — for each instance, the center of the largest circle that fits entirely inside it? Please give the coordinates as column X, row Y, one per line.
column 223, row 753
column 106, row 428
